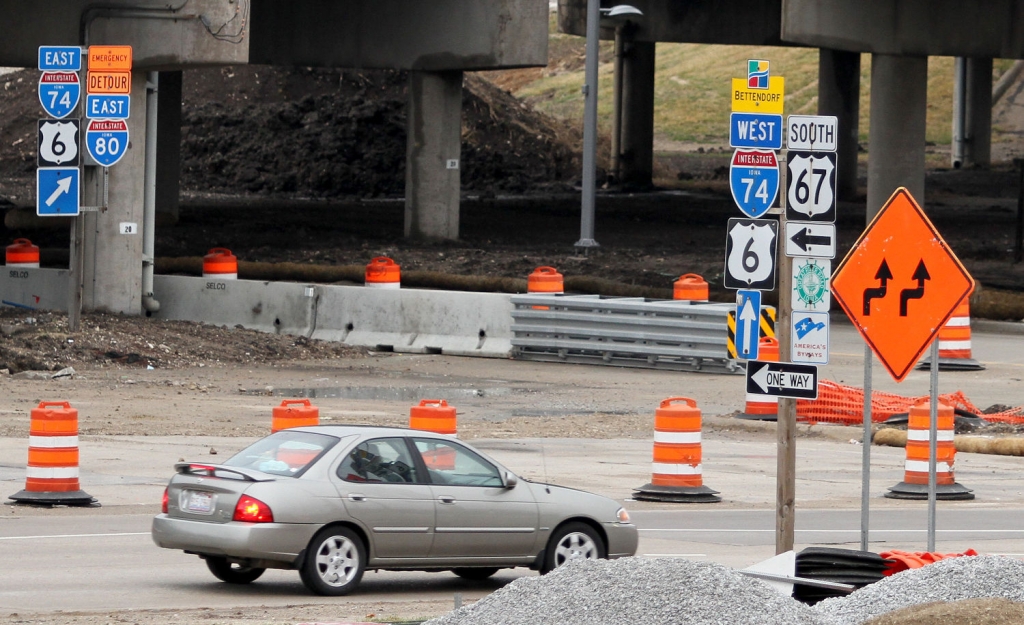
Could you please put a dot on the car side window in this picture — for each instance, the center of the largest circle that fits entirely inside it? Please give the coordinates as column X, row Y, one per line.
column 451, row 463
column 379, row 460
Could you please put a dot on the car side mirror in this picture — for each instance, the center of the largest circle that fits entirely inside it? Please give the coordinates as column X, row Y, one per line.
column 510, row 480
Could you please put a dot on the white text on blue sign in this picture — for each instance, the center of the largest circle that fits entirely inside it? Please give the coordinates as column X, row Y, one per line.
column 750, row 130
column 60, row 58
column 107, row 106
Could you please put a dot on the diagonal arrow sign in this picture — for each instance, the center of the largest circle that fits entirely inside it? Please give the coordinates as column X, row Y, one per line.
column 883, row 275
column 920, row 274
column 804, row 239
column 63, row 186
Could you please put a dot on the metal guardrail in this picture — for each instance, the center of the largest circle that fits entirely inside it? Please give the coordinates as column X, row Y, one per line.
column 621, row 331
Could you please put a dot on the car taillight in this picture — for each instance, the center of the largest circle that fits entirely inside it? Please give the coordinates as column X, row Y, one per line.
column 163, row 503
column 252, row 510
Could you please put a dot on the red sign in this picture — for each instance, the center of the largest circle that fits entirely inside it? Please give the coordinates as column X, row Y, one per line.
column 900, row 283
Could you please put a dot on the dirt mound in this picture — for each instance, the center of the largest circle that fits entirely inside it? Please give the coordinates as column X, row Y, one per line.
column 969, row 611
column 318, row 133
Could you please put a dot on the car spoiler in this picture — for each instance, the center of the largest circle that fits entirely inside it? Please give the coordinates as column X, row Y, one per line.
column 218, row 470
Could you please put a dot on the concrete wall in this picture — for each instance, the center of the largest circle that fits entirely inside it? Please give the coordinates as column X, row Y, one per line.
column 737, row 22
column 976, row 28
column 434, row 35
column 158, row 42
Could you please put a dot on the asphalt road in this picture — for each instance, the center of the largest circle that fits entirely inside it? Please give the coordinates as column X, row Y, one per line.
column 103, row 558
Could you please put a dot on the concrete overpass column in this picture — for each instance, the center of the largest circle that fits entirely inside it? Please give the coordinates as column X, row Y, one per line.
column 636, row 162
column 432, row 158
column 978, row 116
column 839, row 95
column 899, row 97
column 168, row 147
column 113, row 273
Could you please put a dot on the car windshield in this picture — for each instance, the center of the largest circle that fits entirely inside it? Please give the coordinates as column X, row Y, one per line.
column 285, row 453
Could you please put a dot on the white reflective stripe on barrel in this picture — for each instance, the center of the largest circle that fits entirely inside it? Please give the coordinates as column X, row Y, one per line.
column 677, row 438
column 761, row 399
column 923, row 435
column 921, row 466
column 52, row 442
column 51, row 472
column 660, row 468
column 958, row 322
column 954, row 345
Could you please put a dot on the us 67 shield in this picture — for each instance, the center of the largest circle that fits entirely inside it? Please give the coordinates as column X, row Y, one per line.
column 750, row 252
column 811, row 186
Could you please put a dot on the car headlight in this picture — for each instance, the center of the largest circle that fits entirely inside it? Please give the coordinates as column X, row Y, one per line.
column 622, row 515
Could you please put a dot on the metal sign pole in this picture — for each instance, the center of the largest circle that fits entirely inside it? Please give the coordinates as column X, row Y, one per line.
column 590, row 127
column 865, row 468
column 933, row 432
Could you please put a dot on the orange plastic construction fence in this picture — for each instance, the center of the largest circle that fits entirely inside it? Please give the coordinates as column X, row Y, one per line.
column 903, row 560
column 839, row 403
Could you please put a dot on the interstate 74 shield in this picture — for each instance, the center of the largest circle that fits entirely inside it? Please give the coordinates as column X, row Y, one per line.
column 750, row 252
column 754, row 180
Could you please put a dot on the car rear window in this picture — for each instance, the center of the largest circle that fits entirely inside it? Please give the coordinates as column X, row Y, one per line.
column 286, row 452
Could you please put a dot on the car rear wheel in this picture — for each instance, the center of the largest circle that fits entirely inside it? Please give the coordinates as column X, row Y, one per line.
column 231, row 572
column 475, row 574
column 572, row 541
column 335, row 561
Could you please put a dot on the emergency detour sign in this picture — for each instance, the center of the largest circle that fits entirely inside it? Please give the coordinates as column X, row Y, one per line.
column 900, row 284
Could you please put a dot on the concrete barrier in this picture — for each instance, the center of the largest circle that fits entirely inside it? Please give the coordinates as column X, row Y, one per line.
column 33, row 288
column 417, row 320
column 275, row 307
column 403, row 320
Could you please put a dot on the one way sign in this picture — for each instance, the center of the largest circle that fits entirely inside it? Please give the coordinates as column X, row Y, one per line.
column 782, row 379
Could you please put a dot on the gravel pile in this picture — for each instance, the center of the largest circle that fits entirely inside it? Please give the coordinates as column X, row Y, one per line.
column 635, row 590
column 673, row 591
column 954, row 579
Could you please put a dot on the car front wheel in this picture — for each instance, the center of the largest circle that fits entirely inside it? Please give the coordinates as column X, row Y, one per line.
column 335, row 561
column 232, row 573
column 572, row 541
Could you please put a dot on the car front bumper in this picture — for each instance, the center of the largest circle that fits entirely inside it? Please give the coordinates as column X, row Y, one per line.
column 623, row 539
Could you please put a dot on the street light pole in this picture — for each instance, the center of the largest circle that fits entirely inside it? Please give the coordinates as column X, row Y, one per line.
column 590, row 128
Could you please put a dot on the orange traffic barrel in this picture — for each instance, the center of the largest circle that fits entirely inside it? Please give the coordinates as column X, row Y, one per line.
column 220, row 263
column 915, row 474
column 677, row 473
column 433, row 415
column 691, row 287
column 22, row 253
column 545, row 280
column 955, row 342
column 51, row 476
column 763, row 407
column 293, row 413
column 383, row 273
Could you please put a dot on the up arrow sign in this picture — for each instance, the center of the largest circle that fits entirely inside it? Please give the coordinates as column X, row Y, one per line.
column 782, row 379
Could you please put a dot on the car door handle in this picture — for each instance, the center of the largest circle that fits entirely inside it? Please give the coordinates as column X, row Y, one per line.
column 446, row 499
column 356, row 497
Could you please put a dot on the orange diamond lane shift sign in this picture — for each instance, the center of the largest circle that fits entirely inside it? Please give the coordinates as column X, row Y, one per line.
column 900, row 283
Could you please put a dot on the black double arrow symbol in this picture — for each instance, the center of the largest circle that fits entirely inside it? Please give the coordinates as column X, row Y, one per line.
column 883, row 275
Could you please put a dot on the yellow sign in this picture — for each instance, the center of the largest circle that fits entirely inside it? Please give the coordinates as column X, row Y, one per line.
column 115, row 58
column 747, row 100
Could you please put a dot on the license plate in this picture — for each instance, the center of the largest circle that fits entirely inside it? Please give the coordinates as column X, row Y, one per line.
column 199, row 502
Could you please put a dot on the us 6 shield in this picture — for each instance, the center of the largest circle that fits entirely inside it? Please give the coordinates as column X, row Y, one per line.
column 750, row 252
column 754, row 180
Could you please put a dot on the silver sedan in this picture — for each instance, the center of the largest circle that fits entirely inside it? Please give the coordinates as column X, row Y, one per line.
column 334, row 501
